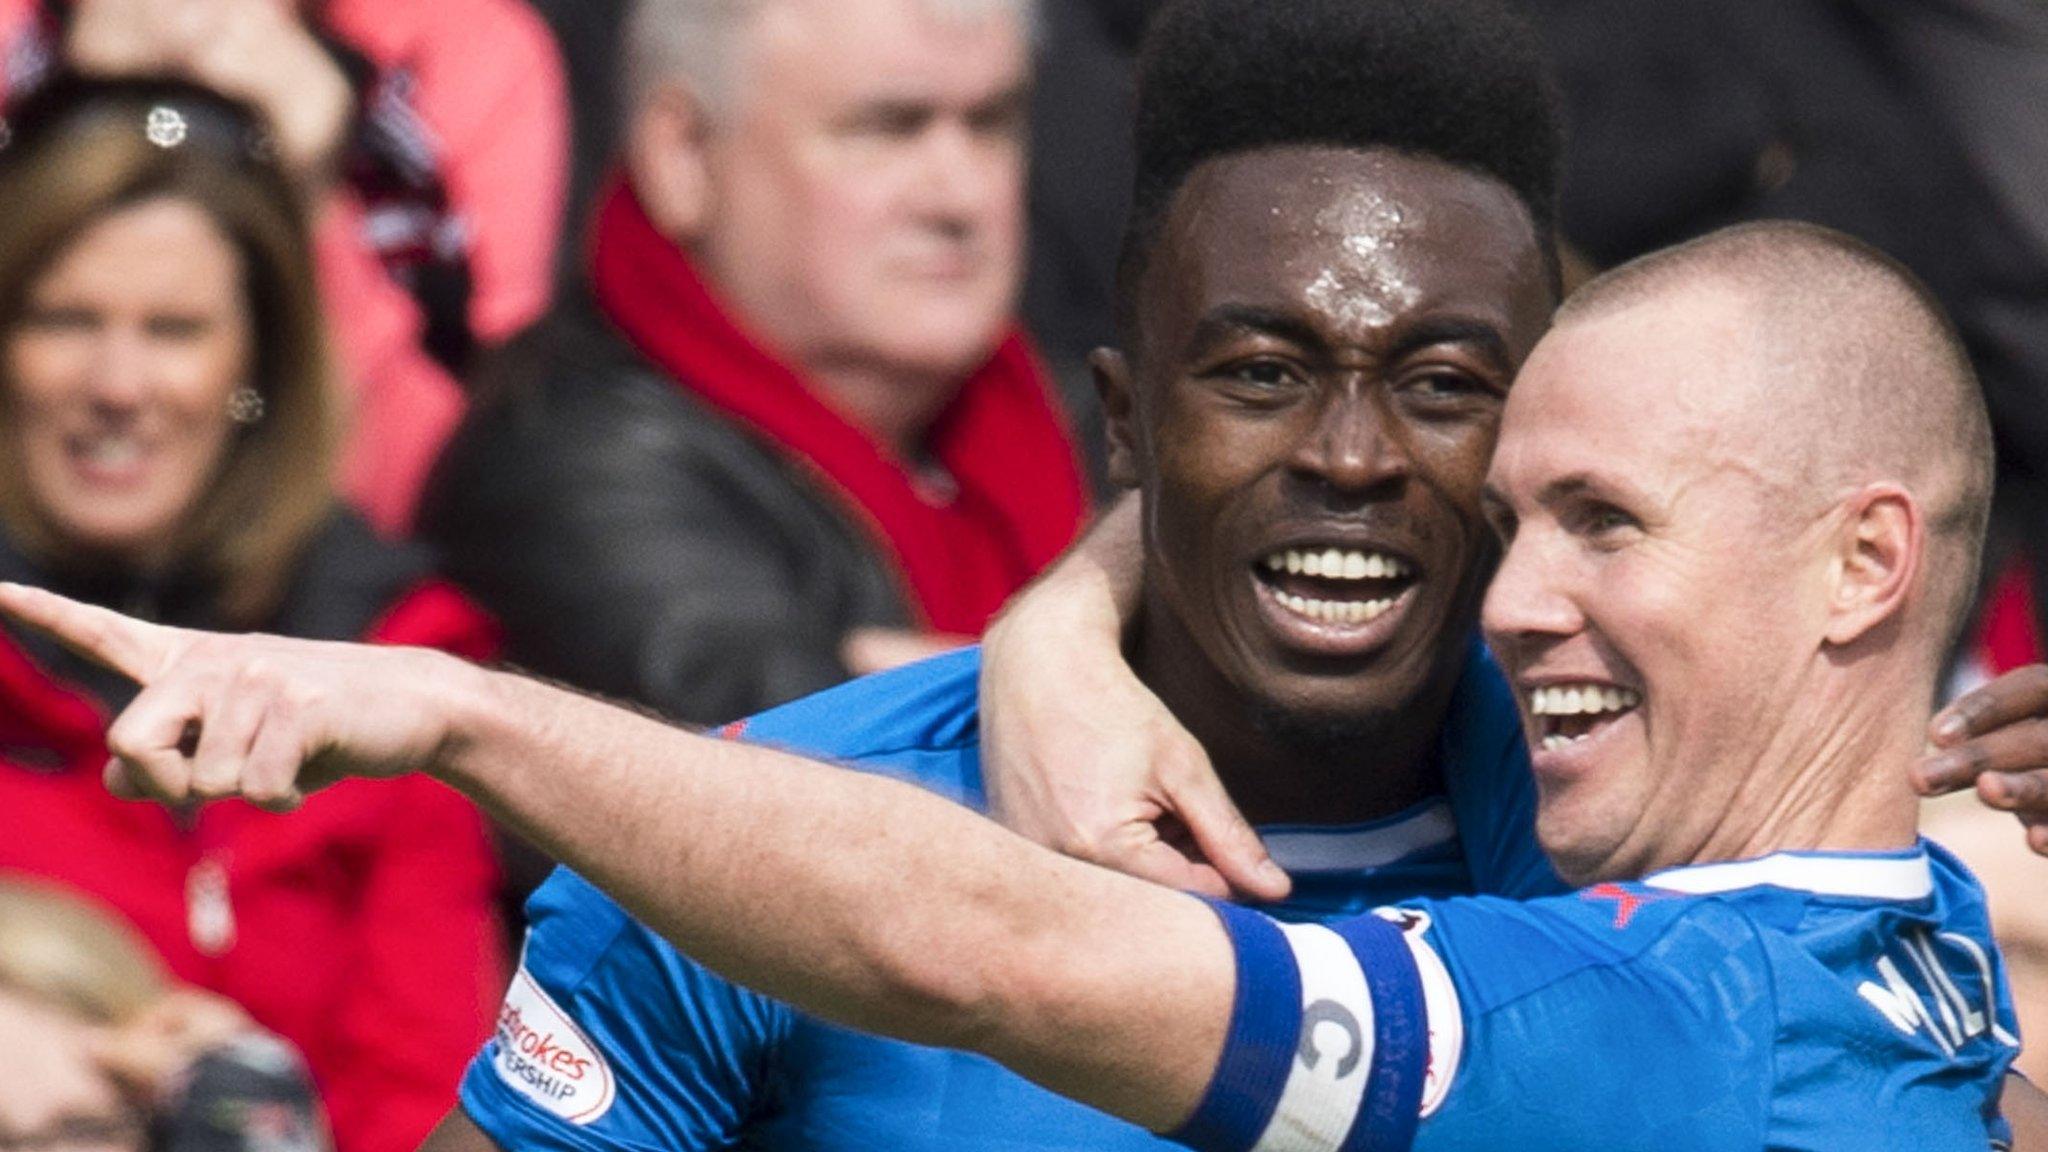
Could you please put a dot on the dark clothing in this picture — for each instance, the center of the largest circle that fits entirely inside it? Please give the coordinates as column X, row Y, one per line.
column 1083, row 97
column 634, row 543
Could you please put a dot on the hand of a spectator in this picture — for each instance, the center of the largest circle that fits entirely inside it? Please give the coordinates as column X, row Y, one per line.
column 1078, row 755
column 265, row 718
column 261, row 52
column 257, row 51
column 118, row 38
column 870, row 650
column 151, row 1052
column 1997, row 739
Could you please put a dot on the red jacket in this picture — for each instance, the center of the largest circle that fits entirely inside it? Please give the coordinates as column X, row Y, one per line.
column 362, row 928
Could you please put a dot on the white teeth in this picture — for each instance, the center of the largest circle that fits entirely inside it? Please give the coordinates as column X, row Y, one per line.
column 1334, row 611
column 1556, row 740
column 1337, row 564
column 1582, row 699
column 113, row 452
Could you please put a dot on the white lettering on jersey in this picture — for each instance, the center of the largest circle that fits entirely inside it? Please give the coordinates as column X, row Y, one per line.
column 545, row 1057
column 1936, row 1006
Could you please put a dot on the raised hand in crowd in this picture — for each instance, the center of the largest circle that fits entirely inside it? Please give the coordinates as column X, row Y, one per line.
column 257, row 51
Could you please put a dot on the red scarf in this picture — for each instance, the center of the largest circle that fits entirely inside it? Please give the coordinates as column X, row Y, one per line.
column 1002, row 439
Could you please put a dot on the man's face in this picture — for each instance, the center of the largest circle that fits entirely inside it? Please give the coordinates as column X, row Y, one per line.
column 867, row 183
column 1659, row 596
column 1325, row 340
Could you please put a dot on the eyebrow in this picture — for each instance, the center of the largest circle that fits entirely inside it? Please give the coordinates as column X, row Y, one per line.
column 1584, row 484
column 1434, row 330
column 1230, row 320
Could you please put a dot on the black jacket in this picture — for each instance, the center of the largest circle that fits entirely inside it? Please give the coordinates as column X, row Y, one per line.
column 633, row 542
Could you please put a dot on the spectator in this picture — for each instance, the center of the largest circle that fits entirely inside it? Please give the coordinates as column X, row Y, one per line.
column 123, row 1061
column 793, row 405
column 432, row 135
column 165, row 417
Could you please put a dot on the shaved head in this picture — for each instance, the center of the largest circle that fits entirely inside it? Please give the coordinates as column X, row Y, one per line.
column 1863, row 378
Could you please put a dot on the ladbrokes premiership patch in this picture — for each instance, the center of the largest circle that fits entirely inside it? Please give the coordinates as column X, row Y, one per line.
column 543, row 1056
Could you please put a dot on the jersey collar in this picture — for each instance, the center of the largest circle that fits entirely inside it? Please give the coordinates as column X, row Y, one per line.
column 1901, row 876
column 1300, row 848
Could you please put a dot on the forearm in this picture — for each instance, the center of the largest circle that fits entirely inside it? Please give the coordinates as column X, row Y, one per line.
column 862, row 899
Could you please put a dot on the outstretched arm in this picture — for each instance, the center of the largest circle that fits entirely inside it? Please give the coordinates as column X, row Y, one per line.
column 860, row 899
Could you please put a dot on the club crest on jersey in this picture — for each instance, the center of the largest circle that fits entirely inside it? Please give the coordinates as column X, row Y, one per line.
column 545, row 1057
column 1440, row 1001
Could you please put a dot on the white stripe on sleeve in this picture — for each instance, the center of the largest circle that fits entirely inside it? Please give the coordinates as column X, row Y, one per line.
column 1326, row 1083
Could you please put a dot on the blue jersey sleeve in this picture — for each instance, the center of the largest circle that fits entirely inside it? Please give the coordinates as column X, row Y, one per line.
column 1480, row 1024
column 1610, row 1018
column 609, row 1039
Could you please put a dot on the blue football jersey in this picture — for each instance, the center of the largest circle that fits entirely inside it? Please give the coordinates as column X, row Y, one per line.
column 1798, row 1001
column 611, row 1039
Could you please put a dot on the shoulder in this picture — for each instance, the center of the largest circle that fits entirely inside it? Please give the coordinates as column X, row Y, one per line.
column 354, row 585
column 570, row 388
column 1502, row 951
column 921, row 720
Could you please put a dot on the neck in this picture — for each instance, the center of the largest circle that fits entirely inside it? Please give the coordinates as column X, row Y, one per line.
column 1841, row 786
column 896, row 407
column 1340, row 770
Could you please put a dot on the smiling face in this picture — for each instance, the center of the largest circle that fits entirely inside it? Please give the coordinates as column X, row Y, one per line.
column 1662, row 596
column 118, row 374
column 1325, row 338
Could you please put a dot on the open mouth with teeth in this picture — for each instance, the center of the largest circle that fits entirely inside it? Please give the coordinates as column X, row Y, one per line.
column 1565, row 714
column 1335, row 586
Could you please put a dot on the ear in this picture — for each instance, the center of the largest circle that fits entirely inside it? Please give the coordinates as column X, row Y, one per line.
column 1878, row 553
column 1112, row 372
column 667, row 160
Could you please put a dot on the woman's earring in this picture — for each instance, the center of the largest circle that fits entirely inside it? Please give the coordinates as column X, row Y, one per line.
column 245, row 405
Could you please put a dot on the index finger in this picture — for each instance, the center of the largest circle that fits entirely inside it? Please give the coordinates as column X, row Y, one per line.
column 134, row 648
column 2020, row 694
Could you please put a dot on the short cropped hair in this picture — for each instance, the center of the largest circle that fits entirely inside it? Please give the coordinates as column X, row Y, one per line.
column 1869, row 378
column 1462, row 81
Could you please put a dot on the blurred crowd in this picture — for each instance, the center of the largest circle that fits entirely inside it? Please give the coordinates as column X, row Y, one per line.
column 702, row 354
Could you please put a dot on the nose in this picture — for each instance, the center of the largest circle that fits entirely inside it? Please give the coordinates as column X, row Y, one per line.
column 1529, row 601
column 120, row 369
column 1356, row 446
column 964, row 173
